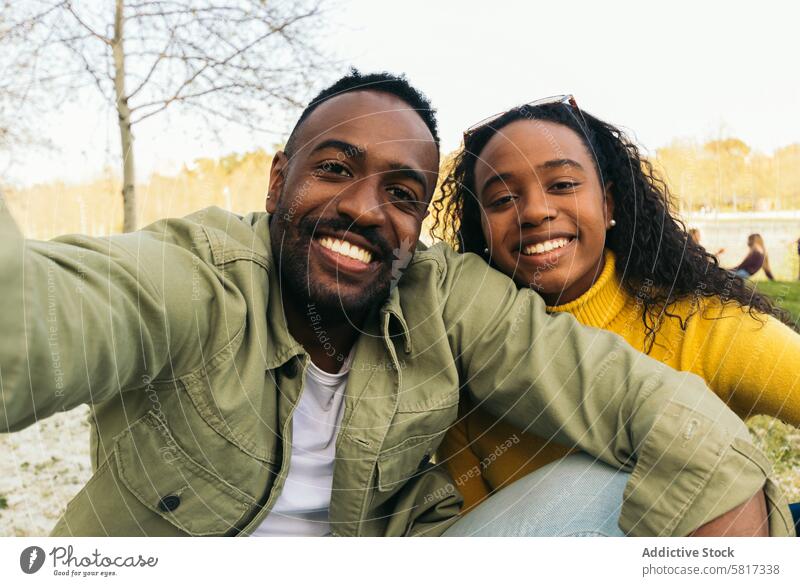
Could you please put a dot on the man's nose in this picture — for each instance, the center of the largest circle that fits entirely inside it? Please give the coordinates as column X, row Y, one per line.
column 362, row 203
column 535, row 206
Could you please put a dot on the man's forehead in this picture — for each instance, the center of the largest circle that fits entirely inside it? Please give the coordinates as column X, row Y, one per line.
column 370, row 119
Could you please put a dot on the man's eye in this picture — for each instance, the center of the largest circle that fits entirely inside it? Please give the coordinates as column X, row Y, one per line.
column 334, row 168
column 402, row 193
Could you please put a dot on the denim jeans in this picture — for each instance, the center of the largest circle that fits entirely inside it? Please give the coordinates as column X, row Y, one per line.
column 574, row 496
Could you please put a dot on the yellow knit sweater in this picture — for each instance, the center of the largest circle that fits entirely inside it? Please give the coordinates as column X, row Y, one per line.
column 753, row 365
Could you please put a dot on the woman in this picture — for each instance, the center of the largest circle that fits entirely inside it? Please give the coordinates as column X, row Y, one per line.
column 755, row 260
column 565, row 204
column 694, row 234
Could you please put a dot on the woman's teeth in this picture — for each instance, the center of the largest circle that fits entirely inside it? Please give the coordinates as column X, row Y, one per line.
column 547, row 246
column 346, row 249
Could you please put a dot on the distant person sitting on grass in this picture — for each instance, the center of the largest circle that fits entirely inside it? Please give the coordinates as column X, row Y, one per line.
column 694, row 234
column 755, row 260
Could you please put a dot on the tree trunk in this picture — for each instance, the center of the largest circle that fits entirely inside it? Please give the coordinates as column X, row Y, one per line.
column 124, row 116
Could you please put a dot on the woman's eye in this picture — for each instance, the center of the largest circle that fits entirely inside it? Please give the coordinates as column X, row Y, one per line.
column 501, row 201
column 565, row 186
column 334, row 168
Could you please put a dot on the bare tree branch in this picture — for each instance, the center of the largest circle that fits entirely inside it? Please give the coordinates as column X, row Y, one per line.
column 230, row 61
column 212, row 64
column 185, row 97
column 90, row 30
column 160, row 57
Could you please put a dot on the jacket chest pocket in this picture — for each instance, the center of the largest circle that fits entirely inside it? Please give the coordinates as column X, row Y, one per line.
column 414, row 434
column 400, row 464
column 420, row 421
column 173, row 486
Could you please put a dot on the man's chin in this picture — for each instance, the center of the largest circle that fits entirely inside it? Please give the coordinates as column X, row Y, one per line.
column 347, row 301
column 334, row 293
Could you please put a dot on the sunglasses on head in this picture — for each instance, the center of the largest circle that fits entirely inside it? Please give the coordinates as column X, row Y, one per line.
column 566, row 99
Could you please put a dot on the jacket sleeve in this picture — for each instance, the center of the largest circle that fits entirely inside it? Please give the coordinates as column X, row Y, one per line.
column 85, row 318
column 690, row 457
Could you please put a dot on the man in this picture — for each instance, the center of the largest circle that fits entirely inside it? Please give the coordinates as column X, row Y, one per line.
column 293, row 373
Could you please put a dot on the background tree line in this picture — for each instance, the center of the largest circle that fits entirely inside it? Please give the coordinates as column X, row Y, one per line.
column 727, row 175
column 722, row 175
column 236, row 182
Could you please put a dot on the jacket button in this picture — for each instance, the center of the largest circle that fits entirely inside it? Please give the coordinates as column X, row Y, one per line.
column 169, row 503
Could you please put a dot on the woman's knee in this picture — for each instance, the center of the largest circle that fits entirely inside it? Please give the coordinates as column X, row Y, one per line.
column 575, row 496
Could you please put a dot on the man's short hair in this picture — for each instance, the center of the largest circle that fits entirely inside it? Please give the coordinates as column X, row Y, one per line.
column 378, row 82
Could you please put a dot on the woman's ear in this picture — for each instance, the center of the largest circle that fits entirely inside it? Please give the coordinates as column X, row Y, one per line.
column 609, row 203
column 277, row 176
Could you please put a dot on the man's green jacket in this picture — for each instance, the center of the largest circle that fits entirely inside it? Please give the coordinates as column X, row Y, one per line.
column 176, row 336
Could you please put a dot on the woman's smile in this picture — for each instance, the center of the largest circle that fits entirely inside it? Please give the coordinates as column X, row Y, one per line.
column 544, row 254
column 546, row 246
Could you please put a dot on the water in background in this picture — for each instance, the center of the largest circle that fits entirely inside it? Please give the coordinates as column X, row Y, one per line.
column 729, row 230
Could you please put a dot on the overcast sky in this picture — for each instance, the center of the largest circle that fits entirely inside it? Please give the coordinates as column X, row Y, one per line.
column 662, row 70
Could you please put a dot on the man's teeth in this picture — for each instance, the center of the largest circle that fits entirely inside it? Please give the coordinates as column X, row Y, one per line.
column 346, row 249
column 547, row 246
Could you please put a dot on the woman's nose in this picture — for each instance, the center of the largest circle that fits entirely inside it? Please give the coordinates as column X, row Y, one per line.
column 535, row 207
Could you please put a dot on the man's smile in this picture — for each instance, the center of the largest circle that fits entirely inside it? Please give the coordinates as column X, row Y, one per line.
column 345, row 248
column 343, row 255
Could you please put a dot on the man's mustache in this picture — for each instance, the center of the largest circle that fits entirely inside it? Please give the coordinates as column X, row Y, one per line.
column 310, row 226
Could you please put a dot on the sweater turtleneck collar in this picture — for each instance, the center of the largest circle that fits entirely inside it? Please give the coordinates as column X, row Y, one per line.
column 602, row 302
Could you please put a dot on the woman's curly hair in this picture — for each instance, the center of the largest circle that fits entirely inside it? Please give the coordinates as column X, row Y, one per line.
column 659, row 263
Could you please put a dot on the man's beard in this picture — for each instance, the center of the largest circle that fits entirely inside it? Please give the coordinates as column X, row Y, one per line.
column 290, row 248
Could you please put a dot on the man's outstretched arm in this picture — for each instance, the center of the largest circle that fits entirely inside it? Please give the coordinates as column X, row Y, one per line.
column 691, row 458
column 82, row 319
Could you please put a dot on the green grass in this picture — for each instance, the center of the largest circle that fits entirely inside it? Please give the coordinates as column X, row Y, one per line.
column 786, row 295
column 780, row 441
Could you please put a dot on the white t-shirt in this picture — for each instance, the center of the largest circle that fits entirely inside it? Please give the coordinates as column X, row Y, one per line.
column 302, row 507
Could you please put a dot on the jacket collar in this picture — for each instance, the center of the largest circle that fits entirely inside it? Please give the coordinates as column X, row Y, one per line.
column 282, row 346
column 397, row 324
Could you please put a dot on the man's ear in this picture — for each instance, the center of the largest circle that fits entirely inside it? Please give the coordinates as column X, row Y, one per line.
column 609, row 203
column 277, row 176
